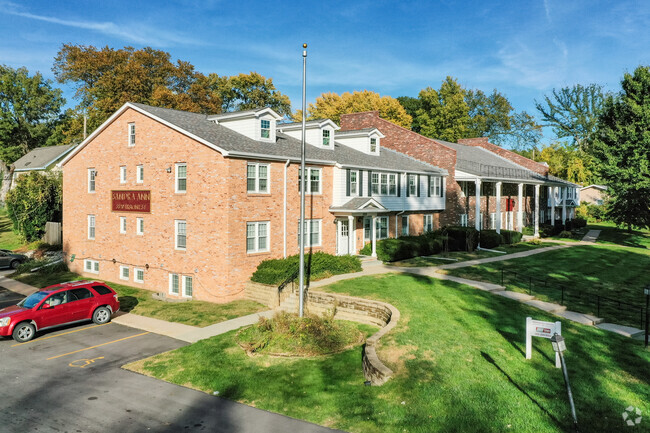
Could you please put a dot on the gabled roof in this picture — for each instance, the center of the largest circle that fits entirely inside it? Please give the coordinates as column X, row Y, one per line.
column 360, row 204
column 42, row 157
column 246, row 113
column 600, row 187
column 233, row 144
column 309, row 124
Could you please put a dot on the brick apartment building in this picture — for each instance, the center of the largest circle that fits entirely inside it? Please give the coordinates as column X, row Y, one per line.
column 190, row 204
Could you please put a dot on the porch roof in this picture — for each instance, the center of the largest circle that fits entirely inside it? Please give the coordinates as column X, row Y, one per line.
column 360, row 205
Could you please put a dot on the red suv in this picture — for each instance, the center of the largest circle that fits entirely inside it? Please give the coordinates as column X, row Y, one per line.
column 57, row 305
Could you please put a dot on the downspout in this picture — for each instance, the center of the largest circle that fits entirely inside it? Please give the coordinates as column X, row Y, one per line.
column 284, row 207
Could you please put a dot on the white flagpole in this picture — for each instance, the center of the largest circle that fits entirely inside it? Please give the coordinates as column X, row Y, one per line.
column 303, row 178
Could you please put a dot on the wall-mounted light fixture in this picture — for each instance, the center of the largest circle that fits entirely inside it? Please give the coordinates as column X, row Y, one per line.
column 114, row 261
column 146, row 266
column 168, row 170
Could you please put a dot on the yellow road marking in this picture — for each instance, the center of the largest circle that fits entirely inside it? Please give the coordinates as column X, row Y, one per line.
column 87, row 362
column 98, row 345
column 58, row 335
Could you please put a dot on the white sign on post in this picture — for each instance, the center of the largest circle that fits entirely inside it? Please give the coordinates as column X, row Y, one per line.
column 537, row 328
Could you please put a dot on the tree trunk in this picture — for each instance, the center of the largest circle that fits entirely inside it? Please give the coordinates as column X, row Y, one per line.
column 7, row 178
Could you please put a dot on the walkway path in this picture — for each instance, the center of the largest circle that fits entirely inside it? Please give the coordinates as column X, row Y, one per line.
column 591, row 236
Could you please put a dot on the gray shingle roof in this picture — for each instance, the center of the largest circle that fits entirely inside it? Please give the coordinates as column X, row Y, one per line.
column 41, row 157
column 357, row 203
column 285, row 147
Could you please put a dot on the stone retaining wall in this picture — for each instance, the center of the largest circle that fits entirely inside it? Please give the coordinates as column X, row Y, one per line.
column 347, row 308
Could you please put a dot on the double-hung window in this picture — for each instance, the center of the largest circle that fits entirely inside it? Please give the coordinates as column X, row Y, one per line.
column 257, row 237
column 326, row 137
column 124, row 273
column 91, row 226
column 139, row 174
column 493, row 220
column 138, row 275
column 174, row 284
column 463, row 220
column 405, row 225
column 187, row 286
column 131, row 134
column 139, row 226
column 313, row 184
column 354, row 182
column 384, row 184
column 91, row 266
column 123, row 174
column 312, row 233
column 392, row 184
column 382, row 227
column 373, row 145
column 265, row 128
column 428, row 223
column 257, row 178
column 413, row 187
column 180, row 234
column 375, row 183
column 92, row 174
column 367, row 227
column 181, row 177
column 435, row 186
column 122, row 225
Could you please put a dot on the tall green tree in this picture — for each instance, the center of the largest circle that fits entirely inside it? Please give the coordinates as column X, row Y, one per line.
column 30, row 109
column 411, row 105
column 621, row 147
column 444, row 113
column 249, row 91
column 573, row 112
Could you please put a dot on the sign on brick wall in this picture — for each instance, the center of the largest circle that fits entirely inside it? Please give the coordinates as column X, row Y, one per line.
column 131, row 201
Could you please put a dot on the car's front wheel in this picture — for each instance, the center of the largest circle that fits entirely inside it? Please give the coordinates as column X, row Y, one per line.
column 14, row 264
column 102, row 315
column 24, row 332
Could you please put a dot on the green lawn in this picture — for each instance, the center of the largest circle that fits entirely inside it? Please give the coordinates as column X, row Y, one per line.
column 610, row 234
column 138, row 301
column 463, row 256
column 584, row 271
column 458, row 355
column 8, row 239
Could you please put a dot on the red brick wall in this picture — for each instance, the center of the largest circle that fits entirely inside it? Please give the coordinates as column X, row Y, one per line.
column 216, row 208
column 514, row 157
column 417, row 146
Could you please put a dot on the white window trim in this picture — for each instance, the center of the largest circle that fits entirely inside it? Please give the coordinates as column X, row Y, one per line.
column 130, row 132
column 184, row 286
column 171, row 279
column 271, row 130
column 94, row 226
column 308, row 183
column 122, row 277
column 122, row 173
column 94, row 181
column 135, row 275
column 425, row 223
column 94, row 264
column 176, row 247
column 139, row 226
column 415, row 184
column 257, row 166
column 257, row 236
column 329, row 137
column 139, row 170
column 176, row 190
column 378, row 224
column 122, row 225
column 369, row 220
column 376, row 151
column 356, row 182
column 408, row 227
column 308, row 233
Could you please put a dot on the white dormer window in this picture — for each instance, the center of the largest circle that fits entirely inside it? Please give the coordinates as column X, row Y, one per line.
column 326, row 137
column 373, row 145
column 265, row 129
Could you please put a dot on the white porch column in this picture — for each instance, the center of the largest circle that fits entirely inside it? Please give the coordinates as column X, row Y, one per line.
column 352, row 235
column 563, row 198
column 520, row 211
column 374, row 236
column 498, row 221
column 338, row 237
column 536, row 214
column 551, row 194
column 477, row 212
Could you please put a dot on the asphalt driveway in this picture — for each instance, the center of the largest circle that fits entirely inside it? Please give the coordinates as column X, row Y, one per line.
column 70, row 380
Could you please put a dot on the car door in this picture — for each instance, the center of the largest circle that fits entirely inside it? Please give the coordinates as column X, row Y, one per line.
column 58, row 312
column 5, row 259
column 81, row 303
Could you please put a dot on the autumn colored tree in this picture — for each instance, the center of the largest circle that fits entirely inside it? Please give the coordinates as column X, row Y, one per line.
column 567, row 162
column 332, row 105
column 249, row 91
column 30, row 109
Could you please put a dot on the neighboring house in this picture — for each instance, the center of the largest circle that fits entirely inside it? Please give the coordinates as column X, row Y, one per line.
column 40, row 159
column 488, row 186
column 165, row 198
column 593, row 194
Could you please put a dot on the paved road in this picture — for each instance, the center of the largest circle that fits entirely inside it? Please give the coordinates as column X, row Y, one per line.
column 70, row 380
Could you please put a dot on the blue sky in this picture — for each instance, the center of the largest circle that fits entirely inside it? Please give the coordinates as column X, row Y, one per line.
column 523, row 49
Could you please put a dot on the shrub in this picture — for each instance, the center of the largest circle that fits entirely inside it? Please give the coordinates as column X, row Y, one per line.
column 565, row 234
column 317, row 266
column 366, row 250
column 579, row 223
column 35, row 200
column 461, row 238
column 528, row 231
column 511, row 237
column 406, row 247
column 490, row 239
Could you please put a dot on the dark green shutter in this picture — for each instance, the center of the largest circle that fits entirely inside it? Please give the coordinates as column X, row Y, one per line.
column 418, row 185
column 347, row 182
column 408, row 185
column 399, row 184
column 369, row 183
column 428, row 186
column 360, row 185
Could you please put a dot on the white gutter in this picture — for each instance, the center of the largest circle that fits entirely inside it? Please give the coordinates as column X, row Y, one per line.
column 284, row 207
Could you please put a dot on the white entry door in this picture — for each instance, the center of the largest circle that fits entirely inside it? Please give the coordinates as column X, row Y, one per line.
column 343, row 244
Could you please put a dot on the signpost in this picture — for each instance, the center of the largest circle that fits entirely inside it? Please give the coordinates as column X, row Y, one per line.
column 537, row 328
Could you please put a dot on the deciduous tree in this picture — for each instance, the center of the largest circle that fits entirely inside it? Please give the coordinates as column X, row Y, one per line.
column 249, row 91
column 30, row 109
column 444, row 113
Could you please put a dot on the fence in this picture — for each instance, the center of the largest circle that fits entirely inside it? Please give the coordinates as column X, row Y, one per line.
column 53, row 235
column 580, row 301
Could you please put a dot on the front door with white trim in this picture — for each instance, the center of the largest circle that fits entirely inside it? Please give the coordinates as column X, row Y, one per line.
column 343, row 236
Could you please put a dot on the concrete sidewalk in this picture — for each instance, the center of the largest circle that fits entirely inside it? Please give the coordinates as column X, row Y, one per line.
column 17, row 286
column 591, row 236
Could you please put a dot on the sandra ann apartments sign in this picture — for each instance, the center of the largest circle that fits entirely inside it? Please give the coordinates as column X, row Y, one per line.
column 131, row 201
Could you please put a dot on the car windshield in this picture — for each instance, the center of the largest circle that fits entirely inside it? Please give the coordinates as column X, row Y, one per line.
column 32, row 300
